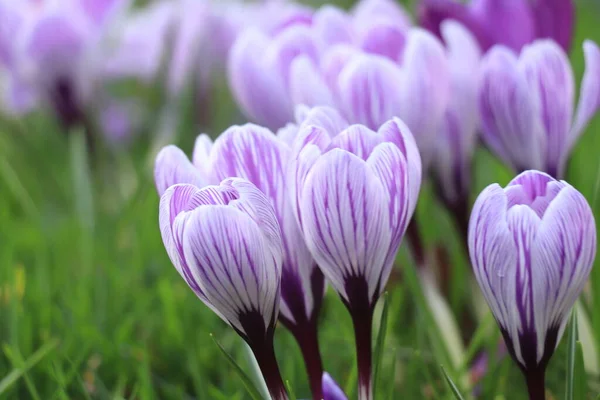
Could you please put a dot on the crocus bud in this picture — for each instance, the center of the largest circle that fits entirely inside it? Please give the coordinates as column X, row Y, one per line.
column 355, row 192
column 532, row 245
column 225, row 242
column 511, row 23
column 457, row 138
column 527, row 101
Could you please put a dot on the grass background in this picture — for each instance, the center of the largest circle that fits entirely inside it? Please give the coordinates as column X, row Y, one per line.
column 90, row 306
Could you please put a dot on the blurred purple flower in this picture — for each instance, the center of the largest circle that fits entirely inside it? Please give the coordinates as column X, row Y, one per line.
column 532, row 245
column 118, row 119
column 457, row 137
column 354, row 193
column 526, row 104
column 225, row 242
column 53, row 53
column 513, row 23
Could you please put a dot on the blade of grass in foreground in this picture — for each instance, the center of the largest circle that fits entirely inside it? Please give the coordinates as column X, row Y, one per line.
column 380, row 344
column 453, row 387
column 571, row 356
column 252, row 390
column 17, row 373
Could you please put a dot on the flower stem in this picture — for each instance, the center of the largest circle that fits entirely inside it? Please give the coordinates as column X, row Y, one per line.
column 307, row 338
column 536, row 384
column 265, row 357
column 363, row 322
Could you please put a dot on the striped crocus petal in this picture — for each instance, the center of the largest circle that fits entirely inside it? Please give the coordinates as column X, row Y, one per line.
column 172, row 166
column 176, row 200
column 458, row 131
column 346, row 221
column 551, row 85
column 256, row 85
column 368, row 91
column 532, row 246
column 201, row 156
column 589, row 96
column 307, row 85
column 554, row 19
column 226, row 243
column 255, row 154
column 510, row 123
column 332, row 26
column 425, row 77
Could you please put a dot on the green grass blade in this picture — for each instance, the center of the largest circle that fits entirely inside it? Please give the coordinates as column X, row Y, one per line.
column 252, row 390
column 380, row 343
column 580, row 376
column 17, row 373
column 452, row 385
column 571, row 356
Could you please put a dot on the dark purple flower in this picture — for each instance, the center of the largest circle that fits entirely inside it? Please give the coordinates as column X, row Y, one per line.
column 513, row 23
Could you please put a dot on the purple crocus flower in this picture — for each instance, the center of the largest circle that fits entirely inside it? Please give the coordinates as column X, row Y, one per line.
column 256, row 154
column 225, row 242
column 457, row 136
column 532, row 245
column 354, row 194
column 331, row 390
column 526, row 104
column 513, row 23
column 56, row 49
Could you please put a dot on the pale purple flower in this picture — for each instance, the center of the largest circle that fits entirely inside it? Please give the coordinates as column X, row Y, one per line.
column 527, row 100
column 354, row 194
column 50, row 53
column 513, row 23
column 457, row 137
column 532, row 246
column 225, row 242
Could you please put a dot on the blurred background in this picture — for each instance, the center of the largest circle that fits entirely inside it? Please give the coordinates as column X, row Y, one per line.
column 90, row 305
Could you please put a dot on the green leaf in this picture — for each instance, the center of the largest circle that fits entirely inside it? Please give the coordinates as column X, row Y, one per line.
column 252, row 390
column 580, row 376
column 290, row 390
column 17, row 373
column 379, row 345
column 571, row 356
column 453, row 387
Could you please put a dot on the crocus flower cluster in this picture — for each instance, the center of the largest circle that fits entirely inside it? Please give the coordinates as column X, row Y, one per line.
column 342, row 197
column 532, row 246
column 511, row 23
column 368, row 64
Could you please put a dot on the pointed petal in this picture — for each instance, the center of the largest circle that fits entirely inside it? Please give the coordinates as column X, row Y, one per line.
column 385, row 38
column 509, row 123
column 493, row 253
column 331, row 390
column 201, row 156
column 398, row 133
column 307, row 85
column 294, row 41
column 234, row 264
column 257, row 88
column 389, row 165
column 344, row 217
column 324, row 117
column 552, row 88
column 358, row 140
column 172, row 166
column 425, row 77
column 332, row 26
column 589, row 97
column 563, row 253
column 298, row 171
column 368, row 91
